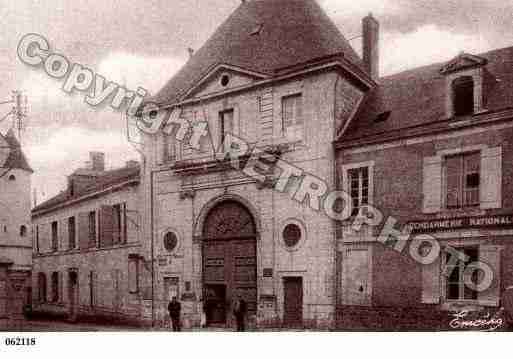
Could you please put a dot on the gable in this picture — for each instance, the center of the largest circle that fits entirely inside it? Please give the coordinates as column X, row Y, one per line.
column 462, row 62
column 264, row 36
column 222, row 78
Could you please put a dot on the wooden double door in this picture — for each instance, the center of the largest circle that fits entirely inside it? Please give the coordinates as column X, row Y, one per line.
column 229, row 261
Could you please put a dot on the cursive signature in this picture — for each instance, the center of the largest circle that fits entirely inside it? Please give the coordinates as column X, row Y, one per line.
column 487, row 323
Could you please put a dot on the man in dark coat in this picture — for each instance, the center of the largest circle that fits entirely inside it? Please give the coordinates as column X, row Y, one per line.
column 174, row 308
column 239, row 311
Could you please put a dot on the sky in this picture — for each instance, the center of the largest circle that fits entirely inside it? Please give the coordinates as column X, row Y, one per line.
column 143, row 43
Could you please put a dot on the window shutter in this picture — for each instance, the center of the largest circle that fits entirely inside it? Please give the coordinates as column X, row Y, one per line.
column 432, row 184
column 431, row 283
column 46, row 237
column 491, row 255
column 83, row 230
column 491, row 178
column 106, row 226
column 116, row 233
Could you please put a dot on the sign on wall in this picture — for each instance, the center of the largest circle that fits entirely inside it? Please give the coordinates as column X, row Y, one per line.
column 498, row 221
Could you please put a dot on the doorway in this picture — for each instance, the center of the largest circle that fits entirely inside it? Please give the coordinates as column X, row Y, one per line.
column 73, row 294
column 229, row 261
column 292, row 301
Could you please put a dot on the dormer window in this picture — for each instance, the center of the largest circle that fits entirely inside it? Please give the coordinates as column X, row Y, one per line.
column 464, row 85
column 463, row 96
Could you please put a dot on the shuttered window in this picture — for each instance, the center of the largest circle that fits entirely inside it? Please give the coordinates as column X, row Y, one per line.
column 463, row 180
column 446, row 279
column 292, row 117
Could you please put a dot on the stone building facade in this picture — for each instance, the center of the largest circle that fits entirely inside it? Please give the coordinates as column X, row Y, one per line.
column 431, row 148
column 15, row 239
column 285, row 82
column 87, row 246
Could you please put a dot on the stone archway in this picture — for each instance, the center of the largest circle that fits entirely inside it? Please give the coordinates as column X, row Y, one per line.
column 229, row 260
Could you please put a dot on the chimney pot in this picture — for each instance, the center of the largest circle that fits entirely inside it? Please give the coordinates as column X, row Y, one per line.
column 371, row 45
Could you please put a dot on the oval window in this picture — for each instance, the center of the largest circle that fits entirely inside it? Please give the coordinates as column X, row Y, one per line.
column 12, row 178
column 170, row 241
column 225, row 80
column 291, row 235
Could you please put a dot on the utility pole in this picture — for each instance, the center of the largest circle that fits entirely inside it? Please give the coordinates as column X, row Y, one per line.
column 18, row 111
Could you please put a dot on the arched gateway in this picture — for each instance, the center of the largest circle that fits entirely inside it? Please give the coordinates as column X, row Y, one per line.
column 229, row 260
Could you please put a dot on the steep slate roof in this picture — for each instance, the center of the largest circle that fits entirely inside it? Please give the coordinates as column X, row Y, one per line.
column 416, row 99
column 104, row 180
column 292, row 32
column 16, row 158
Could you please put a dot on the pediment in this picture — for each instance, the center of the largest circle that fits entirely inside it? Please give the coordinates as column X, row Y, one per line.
column 223, row 78
column 463, row 62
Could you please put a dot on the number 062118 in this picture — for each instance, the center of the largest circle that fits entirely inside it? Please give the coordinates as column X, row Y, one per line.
column 20, row 341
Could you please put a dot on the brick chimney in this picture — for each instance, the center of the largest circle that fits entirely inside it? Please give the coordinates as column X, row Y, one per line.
column 371, row 46
column 97, row 161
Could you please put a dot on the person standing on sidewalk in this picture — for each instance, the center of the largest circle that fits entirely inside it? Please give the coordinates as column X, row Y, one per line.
column 239, row 310
column 174, row 309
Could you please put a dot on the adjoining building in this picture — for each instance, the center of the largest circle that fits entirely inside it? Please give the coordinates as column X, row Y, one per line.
column 281, row 76
column 432, row 148
column 87, row 243
column 15, row 239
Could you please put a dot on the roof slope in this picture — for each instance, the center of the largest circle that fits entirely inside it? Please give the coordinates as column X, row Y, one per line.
column 16, row 158
column 288, row 32
column 416, row 98
column 105, row 179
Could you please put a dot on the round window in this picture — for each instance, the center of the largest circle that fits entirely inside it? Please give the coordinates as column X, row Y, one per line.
column 170, row 241
column 291, row 235
column 225, row 80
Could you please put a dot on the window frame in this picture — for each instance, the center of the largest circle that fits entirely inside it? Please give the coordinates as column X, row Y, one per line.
column 295, row 118
column 72, row 237
column 346, row 180
column 170, row 151
column 460, row 266
column 54, row 229
column 55, row 286
column 92, row 230
column 222, row 132
column 462, row 189
column 458, row 91
column 42, row 288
